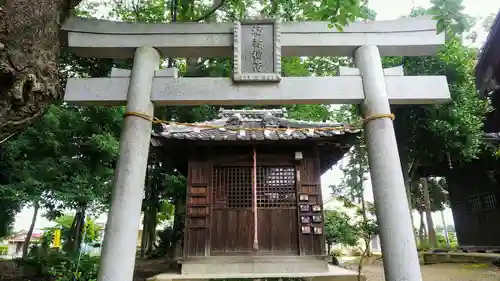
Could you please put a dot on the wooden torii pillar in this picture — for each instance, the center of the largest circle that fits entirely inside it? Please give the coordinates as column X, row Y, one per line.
column 257, row 47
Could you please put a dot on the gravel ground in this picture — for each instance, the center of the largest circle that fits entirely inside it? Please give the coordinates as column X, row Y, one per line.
column 442, row 272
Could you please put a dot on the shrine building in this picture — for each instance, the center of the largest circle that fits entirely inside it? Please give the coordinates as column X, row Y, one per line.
column 251, row 162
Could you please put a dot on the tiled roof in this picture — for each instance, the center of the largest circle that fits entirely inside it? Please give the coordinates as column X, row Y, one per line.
column 253, row 125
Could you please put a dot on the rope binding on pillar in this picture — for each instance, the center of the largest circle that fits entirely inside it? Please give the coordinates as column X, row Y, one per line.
column 353, row 126
column 378, row 116
column 153, row 119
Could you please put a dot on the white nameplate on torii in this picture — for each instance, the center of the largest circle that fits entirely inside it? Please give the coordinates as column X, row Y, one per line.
column 344, row 89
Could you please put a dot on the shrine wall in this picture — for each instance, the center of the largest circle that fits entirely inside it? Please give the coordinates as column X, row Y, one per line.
column 220, row 221
column 474, row 199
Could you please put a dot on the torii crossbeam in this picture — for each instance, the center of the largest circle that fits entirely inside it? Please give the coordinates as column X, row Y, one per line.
column 257, row 46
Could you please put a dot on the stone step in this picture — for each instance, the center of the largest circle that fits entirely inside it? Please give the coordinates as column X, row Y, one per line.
column 253, row 264
column 333, row 273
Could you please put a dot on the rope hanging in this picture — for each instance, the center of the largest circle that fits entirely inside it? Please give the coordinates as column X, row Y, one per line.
column 365, row 120
column 254, row 202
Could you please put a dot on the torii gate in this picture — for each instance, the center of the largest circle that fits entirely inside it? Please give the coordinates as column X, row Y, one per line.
column 257, row 46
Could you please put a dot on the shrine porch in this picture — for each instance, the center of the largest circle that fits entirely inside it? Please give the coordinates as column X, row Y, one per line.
column 332, row 273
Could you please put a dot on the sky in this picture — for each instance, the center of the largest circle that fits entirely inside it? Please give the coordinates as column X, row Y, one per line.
column 386, row 10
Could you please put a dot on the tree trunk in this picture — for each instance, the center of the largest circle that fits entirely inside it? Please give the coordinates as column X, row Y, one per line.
column 421, row 231
column 408, row 174
column 75, row 235
column 80, row 229
column 430, row 224
column 367, row 237
column 29, row 51
column 153, row 211
column 151, row 230
column 445, row 229
column 178, row 227
column 26, row 246
column 145, row 207
column 405, row 168
column 144, row 237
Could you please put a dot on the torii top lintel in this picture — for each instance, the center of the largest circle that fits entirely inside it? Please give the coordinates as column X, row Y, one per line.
column 110, row 39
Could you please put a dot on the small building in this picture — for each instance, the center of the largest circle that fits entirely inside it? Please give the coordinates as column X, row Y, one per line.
column 474, row 194
column 254, row 200
column 488, row 65
column 16, row 242
column 474, row 188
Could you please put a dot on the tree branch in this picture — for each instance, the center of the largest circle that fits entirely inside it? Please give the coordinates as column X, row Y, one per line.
column 211, row 12
column 413, row 169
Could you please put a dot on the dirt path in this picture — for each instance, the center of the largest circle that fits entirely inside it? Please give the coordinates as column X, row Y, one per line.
column 442, row 272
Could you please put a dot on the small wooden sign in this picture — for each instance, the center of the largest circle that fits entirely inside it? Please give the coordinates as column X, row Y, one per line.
column 318, row 230
column 305, row 219
column 304, row 197
column 318, row 218
column 305, row 208
column 316, row 208
column 306, row 229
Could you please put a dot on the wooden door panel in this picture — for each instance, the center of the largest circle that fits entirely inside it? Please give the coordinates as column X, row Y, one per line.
column 231, row 231
column 277, row 210
column 277, row 231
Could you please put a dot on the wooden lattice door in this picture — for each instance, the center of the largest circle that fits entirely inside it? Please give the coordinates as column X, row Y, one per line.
column 277, row 210
column 233, row 216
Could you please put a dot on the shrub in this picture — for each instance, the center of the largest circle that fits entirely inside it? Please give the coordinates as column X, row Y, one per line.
column 4, row 249
column 337, row 253
column 423, row 246
column 85, row 269
column 58, row 266
column 357, row 252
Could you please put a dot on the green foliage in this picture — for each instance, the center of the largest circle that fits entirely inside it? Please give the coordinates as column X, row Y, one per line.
column 438, row 193
column 452, row 237
column 67, row 157
column 431, row 134
column 166, row 240
column 437, row 133
column 434, row 133
column 10, row 207
column 355, row 171
column 66, row 160
column 64, row 223
column 340, row 229
column 58, row 266
column 165, row 212
column 450, row 16
column 84, row 268
column 4, row 250
column 367, row 229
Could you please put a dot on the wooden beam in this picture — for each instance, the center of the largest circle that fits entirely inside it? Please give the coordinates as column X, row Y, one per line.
column 291, row 90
